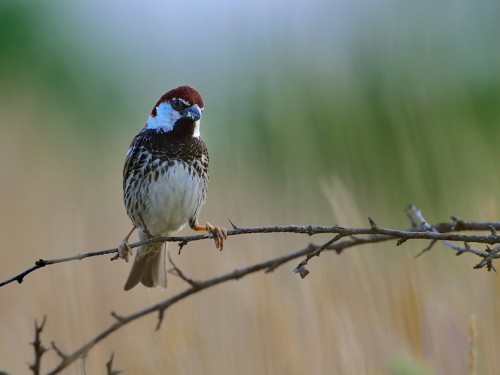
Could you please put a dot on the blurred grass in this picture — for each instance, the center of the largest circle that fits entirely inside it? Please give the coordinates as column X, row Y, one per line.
column 409, row 111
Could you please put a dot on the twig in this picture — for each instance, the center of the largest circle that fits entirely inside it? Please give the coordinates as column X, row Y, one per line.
column 47, row 262
column 38, row 348
column 177, row 272
column 365, row 235
column 488, row 259
column 109, row 367
column 58, row 351
column 161, row 307
column 344, row 238
column 301, row 268
column 414, row 212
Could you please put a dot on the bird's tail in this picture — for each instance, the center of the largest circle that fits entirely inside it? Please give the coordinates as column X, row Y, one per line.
column 149, row 267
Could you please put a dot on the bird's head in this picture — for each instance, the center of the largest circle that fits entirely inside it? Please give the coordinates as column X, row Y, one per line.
column 179, row 111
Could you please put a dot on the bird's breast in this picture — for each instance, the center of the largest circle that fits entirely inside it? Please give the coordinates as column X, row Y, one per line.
column 171, row 192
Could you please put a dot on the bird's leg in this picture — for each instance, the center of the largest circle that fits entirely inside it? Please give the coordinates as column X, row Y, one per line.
column 219, row 233
column 124, row 249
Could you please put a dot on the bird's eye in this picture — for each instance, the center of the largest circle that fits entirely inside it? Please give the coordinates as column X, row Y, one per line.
column 178, row 104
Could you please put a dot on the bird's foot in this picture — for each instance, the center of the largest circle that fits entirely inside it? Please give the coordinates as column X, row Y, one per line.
column 124, row 249
column 219, row 234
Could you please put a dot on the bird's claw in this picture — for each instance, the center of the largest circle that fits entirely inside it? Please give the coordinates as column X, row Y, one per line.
column 124, row 250
column 219, row 234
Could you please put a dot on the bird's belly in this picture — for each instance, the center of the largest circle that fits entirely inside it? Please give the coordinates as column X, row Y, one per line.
column 172, row 199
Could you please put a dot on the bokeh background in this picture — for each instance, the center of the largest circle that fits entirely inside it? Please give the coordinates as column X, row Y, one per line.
column 317, row 112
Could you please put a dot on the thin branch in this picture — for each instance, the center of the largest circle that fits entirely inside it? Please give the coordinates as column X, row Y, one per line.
column 301, row 268
column 47, row 262
column 343, row 238
column 177, row 272
column 160, row 308
column 443, row 232
column 109, row 367
column 414, row 212
column 310, row 251
column 58, row 351
column 488, row 259
column 38, row 348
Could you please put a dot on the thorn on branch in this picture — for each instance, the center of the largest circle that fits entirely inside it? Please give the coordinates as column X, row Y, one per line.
column 109, row 367
column 401, row 241
column 181, row 245
column 373, row 224
column 161, row 314
column 119, row 318
column 233, row 224
column 493, row 231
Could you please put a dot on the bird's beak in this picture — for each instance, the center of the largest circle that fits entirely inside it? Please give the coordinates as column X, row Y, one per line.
column 192, row 113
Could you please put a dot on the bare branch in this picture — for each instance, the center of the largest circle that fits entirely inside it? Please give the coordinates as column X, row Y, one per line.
column 343, row 238
column 161, row 307
column 177, row 272
column 443, row 232
column 116, row 316
column 58, row 351
column 488, row 259
column 301, row 268
column 38, row 348
column 427, row 248
column 413, row 210
column 46, row 262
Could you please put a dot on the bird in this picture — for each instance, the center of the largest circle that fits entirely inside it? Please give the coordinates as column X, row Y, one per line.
column 165, row 179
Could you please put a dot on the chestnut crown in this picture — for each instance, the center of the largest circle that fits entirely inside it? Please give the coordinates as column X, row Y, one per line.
column 178, row 110
column 180, row 98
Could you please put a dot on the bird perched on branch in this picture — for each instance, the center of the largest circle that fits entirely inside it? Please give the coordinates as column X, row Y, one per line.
column 165, row 182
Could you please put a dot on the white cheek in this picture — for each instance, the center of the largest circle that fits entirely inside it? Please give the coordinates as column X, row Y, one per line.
column 152, row 123
column 196, row 132
column 165, row 118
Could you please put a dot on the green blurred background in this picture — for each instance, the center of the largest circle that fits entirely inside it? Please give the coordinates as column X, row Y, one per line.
column 317, row 112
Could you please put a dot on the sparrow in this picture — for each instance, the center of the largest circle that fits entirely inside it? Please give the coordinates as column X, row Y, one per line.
column 165, row 179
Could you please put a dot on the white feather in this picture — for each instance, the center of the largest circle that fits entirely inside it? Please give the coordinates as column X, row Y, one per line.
column 196, row 132
column 173, row 200
column 165, row 118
